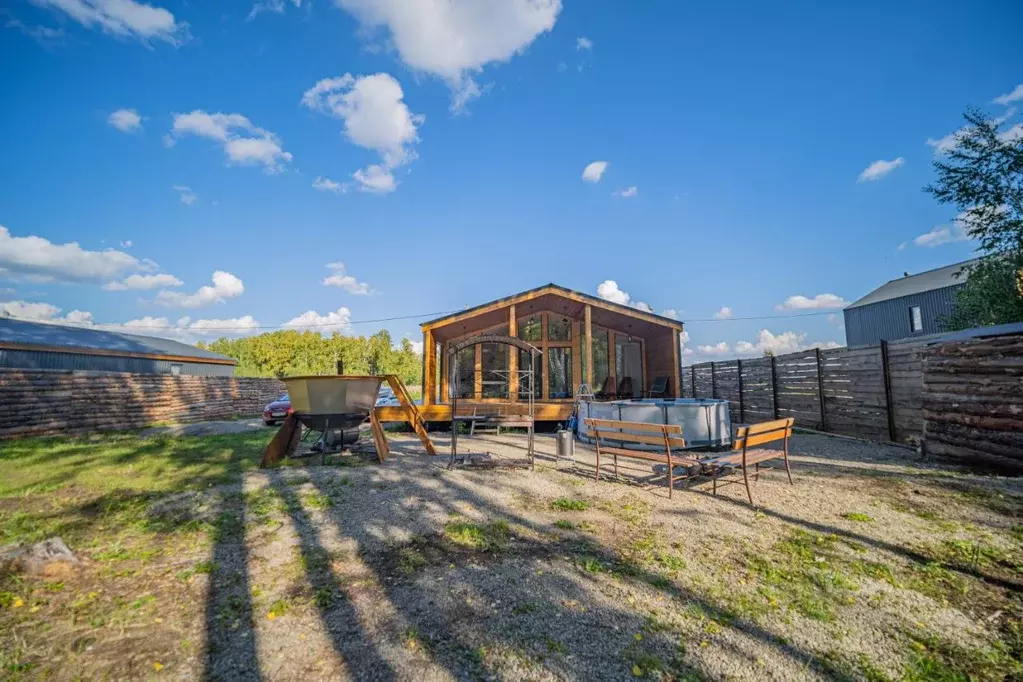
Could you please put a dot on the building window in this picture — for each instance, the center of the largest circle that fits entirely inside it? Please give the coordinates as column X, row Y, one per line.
column 916, row 321
column 465, row 373
column 531, row 328
column 535, row 380
column 559, row 373
column 175, row 369
column 494, row 364
column 558, row 328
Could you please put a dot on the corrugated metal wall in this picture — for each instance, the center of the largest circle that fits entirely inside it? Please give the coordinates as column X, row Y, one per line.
column 890, row 320
column 24, row 359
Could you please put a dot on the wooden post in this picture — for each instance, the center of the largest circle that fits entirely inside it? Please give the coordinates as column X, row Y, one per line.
column 742, row 406
column 713, row 381
column 513, row 357
column 588, row 349
column 820, row 388
column 429, row 367
column 774, row 385
column 889, row 408
column 677, row 343
column 477, row 375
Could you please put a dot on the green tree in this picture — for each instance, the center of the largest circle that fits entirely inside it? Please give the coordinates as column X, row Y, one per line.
column 983, row 177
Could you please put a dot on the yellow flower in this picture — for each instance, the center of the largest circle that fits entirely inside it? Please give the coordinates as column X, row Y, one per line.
column 271, row 616
column 637, row 671
column 157, row 666
column 18, row 603
column 638, row 636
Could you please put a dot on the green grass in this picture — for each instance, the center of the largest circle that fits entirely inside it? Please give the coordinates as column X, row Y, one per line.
column 858, row 517
column 569, row 504
column 564, row 524
column 491, row 537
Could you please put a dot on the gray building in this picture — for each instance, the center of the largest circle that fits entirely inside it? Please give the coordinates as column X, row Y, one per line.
column 35, row 345
column 910, row 306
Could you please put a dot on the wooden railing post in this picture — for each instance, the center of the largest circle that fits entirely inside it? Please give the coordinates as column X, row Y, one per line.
column 820, row 388
column 742, row 406
column 774, row 386
column 889, row 408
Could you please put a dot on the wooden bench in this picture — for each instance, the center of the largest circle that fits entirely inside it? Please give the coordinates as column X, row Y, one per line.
column 667, row 435
column 747, row 438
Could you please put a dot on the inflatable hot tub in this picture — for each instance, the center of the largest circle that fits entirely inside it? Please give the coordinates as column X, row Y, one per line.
column 706, row 422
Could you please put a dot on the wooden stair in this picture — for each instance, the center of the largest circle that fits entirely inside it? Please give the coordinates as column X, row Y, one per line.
column 412, row 414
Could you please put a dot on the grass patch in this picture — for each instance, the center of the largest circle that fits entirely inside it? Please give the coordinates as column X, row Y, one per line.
column 410, row 560
column 569, row 504
column 491, row 537
column 858, row 517
column 564, row 524
column 935, row 660
column 318, row 501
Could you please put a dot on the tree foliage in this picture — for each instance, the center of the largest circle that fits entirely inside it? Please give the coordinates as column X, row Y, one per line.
column 294, row 353
column 982, row 175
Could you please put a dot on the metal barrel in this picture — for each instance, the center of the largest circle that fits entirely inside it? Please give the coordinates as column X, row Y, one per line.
column 566, row 445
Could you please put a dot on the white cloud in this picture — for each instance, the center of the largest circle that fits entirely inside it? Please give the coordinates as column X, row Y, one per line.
column 123, row 18
column 779, row 344
column 594, row 171
column 44, row 35
column 335, row 321
column 143, row 282
column 417, row 347
column 724, row 314
column 24, row 310
column 375, row 118
column 125, row 120
column 39, row 259
column 1012, row 134
column 583, row 43
column 946, row 144
column 225, row 286
column 325, row 184
column 274, row 6
column 720, row 348
column 942, row 234
column 670, row 312
column 339, row 278
column 455, row 39
column 1015, row 96
column 233, row 325
column 879, row 169
column 375, row 179
column 818, row 302
column 642, row 305
column 186, row 194
column 609, row 291
column 244, row 144
column 943, row 145
column 626, row 193
column 836, row 319
column 126, row 244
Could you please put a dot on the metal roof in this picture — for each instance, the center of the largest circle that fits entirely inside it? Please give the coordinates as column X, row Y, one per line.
column 555, row 289
column 85, row 339
column 929, row 280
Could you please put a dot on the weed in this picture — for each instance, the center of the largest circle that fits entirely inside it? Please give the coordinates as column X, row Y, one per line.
column 569, row 504
column 318, row 501
column 278, row 608
column 564, row 524
column 410, row 560
column 858, row 517
column 324, row 597
column 526, row 607
column 556, row 647
column 489, row 538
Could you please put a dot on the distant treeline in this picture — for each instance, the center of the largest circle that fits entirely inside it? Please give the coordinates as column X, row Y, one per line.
column 292, row 353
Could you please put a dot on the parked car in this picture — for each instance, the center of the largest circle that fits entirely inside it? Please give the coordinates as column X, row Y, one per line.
column 277, row 410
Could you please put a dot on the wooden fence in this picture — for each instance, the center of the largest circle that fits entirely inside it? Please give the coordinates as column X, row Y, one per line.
column 873, row 392
column 37, row 403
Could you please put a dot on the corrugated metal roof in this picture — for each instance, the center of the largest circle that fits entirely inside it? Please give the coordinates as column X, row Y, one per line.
column 84, row 338
column 915, row 284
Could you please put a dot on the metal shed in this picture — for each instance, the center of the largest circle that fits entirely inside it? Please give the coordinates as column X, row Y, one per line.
column 907, row 307
column 42, row 346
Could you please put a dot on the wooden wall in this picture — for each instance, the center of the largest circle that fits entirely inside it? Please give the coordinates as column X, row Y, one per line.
column 963, row 399
column 660, row 360
column 40, row 403
column 973, row 402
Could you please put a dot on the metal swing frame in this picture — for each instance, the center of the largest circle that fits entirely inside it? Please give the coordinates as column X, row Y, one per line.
column 528, row 374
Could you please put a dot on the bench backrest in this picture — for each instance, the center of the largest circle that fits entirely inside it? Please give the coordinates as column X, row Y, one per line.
column 636, row 432
column 764, row 432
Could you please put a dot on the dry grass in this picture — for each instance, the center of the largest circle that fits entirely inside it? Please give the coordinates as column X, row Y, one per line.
column 195, row 564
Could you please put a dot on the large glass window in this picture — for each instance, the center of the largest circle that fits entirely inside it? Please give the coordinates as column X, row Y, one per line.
column 559, row 328
column 559, row 373
column 494, row 363
column 524, row 379
column 465, row 373
column 601, row 362
column 628, row 368
column 530, row 328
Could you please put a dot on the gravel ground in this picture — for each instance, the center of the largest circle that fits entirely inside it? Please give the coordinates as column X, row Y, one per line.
column 411, row 571
column 873, row 566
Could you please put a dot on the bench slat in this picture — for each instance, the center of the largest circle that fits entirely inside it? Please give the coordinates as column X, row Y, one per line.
column 651, row 456
column 773, row 425
column 634, row 426
column 760, row 438
column 751, row 458
column 674, row 441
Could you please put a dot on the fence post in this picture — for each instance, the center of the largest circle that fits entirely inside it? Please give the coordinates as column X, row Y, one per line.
column 820, row 388
column 889, row 408
column 692, row 373
column 742, row 406
column 713, row 382
column 774, row 386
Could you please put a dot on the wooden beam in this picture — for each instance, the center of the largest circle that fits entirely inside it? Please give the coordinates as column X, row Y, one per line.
column 589, row 347
column 477, row 375
column 577, row 361
column 513, row 357
column 429, row 367
column 676, row 349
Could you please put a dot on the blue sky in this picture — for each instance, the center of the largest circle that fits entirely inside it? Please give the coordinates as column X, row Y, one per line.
column 743, row 128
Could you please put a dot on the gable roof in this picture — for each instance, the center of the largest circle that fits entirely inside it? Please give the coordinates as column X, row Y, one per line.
column 939, row 278
column 61, row 338
column 557, row 291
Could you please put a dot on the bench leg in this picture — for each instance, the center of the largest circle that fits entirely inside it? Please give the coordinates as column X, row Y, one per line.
column 745, row 479
column 671, row 476
column 617, row 477
column 714, row 477
column 596, row 474
column 756, row 474
column 788, row 472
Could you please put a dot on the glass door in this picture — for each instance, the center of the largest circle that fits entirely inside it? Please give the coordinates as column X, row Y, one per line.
column 628, row 367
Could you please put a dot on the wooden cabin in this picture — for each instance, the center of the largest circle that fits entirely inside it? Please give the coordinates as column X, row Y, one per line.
column 586, row 341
